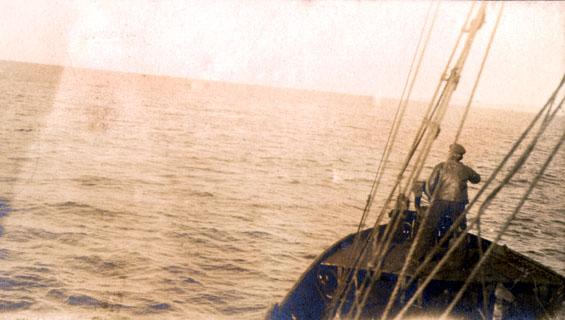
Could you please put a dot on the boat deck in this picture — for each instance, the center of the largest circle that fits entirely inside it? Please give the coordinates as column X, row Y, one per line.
column 503, row 265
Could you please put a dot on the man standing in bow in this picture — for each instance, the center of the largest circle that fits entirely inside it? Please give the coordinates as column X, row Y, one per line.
column 447, row 186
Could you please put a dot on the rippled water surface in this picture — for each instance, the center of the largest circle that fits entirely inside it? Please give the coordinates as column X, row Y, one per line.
column 135, row 197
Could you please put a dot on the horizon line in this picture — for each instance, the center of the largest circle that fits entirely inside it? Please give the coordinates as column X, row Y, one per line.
column 523, row 108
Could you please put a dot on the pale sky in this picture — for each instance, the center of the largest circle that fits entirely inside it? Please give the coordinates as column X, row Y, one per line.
column 344, row 46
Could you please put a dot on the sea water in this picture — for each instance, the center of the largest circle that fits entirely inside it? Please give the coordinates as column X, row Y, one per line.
column 127, row 196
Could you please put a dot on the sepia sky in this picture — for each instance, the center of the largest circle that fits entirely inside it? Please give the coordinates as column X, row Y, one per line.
column 345, row 46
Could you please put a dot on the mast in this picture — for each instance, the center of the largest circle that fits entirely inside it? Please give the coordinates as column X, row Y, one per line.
column 455, row 74
column 452, row 80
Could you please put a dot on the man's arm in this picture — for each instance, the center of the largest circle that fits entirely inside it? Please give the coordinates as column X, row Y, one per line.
column 474, row 177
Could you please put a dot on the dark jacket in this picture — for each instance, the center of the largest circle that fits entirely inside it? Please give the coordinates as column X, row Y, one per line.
column 450, row 178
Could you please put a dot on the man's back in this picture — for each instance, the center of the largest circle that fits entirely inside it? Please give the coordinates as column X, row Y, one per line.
column 450, row 178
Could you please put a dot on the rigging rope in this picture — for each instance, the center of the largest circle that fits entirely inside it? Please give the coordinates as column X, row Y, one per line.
column 468, row 106
column 429, row 139
column 420, row 168
column 460, row 129
column 406, row 92
column 430, row 127
column 491, row 178
column 504, row 228
column 437, row 89
column 519, row 163
column 441, row 104
column 399, row 114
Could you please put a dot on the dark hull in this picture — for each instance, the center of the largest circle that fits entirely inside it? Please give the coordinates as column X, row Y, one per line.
column 536, row 290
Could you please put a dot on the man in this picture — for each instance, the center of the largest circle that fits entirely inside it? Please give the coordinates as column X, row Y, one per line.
column 447, row 186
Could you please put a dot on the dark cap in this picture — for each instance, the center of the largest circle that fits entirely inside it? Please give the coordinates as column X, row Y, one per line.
column 457, row 149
